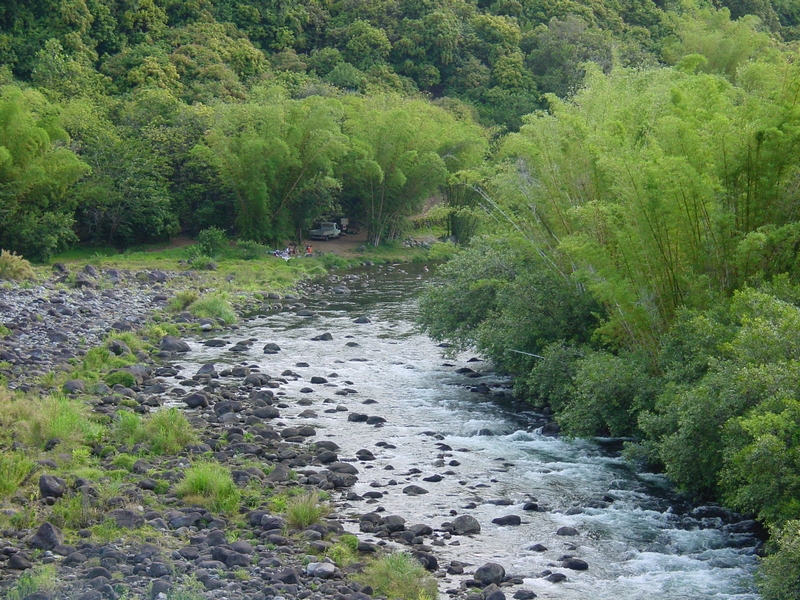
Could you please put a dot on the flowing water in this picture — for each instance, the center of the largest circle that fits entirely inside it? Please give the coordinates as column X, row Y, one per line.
column 637, row 541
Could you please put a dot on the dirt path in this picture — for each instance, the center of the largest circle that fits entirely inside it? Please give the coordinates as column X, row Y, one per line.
column 344, row 245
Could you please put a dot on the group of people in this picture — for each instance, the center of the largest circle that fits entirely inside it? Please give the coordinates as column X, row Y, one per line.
column 291, row 250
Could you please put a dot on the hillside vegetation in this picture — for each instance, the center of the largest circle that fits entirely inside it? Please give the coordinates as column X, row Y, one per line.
column 623, row 177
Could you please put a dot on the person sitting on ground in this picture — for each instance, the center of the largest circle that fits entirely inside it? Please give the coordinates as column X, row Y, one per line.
column 309, row 250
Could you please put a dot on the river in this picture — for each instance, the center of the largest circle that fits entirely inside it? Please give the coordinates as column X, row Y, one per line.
column 638, row 538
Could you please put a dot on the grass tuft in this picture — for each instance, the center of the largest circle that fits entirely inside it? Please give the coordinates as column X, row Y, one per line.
column 41, row 578
column 166, row 432
column 305, row 510
column 214, row 306
column 14, row 267
column 399, row 576
column 35, row 420
column 182, row 300
column 14, row 468
column 210, row 484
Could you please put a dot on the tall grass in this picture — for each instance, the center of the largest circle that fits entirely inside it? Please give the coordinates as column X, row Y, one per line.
column 165, row 432
column 214, row 306
column 209, row 484
column 399, row 576
column 182, row 300
column 35, row 420
column 305, row 510
column 14, row 467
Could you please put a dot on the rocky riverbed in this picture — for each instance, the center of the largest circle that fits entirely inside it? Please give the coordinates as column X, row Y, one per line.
column 284, row 422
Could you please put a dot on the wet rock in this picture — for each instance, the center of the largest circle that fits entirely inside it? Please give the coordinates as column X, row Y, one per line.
column 357, row 417
column 170, row 343
column 556, row 577
column 508, row 520
column 567, row 531
column 466, row 525
column 576, row 564
column 324, row 337
column 427, row 560
column 361, row 320
column 490, row 573
column 196, row 400
column 365, row 454
column 537, row 548
column 494, row 595
column 47, row 537
column 524, row 595
column 414, row 490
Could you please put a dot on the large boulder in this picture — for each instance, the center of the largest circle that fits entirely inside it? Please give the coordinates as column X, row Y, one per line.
column 47, row 537
column 465, row 525
column 490, row 573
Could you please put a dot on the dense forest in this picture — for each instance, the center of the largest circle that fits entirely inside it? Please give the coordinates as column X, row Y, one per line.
column 622, row 178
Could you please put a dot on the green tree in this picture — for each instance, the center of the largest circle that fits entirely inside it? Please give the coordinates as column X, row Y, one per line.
column 37, row 171
column 402, row 151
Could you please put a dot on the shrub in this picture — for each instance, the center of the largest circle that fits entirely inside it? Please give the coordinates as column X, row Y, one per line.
column 305, row 510
column 214, row 306
column 442, row 251
column 210, row 484
column 120, row 377
column 251, row 250
column 14, row 467
column 781, row 569
column 182, row 300
column 399, row 576
column 211, row 241
column 14, row 267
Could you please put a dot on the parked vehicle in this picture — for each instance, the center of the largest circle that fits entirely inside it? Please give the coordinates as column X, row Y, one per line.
column 325, row 231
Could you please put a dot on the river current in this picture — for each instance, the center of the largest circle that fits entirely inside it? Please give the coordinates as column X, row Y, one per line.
column 638, row 538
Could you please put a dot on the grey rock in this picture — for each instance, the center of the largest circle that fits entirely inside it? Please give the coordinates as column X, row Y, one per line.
column 490, row 573
column 47, row 537
column 52, row 486
column 170, row 343
column 465, row 525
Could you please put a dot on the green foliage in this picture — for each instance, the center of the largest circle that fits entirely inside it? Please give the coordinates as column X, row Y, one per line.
column 399, row 576
column 212, row 241
column 781, row 579
column 165, row 432
column 345, row 551
column 41, row 578
column 123, row 378
column 76, row 511
column 36, row 420
column 169, row 432
column 491, row 296
column 251, row 250
column 214, row 306
column 305, row 510
column 14, row 267
column 14, row 468
column 182, row 300
column 210, row 484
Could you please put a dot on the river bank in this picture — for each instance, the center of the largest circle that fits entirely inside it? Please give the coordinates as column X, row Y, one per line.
column 331, row 390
